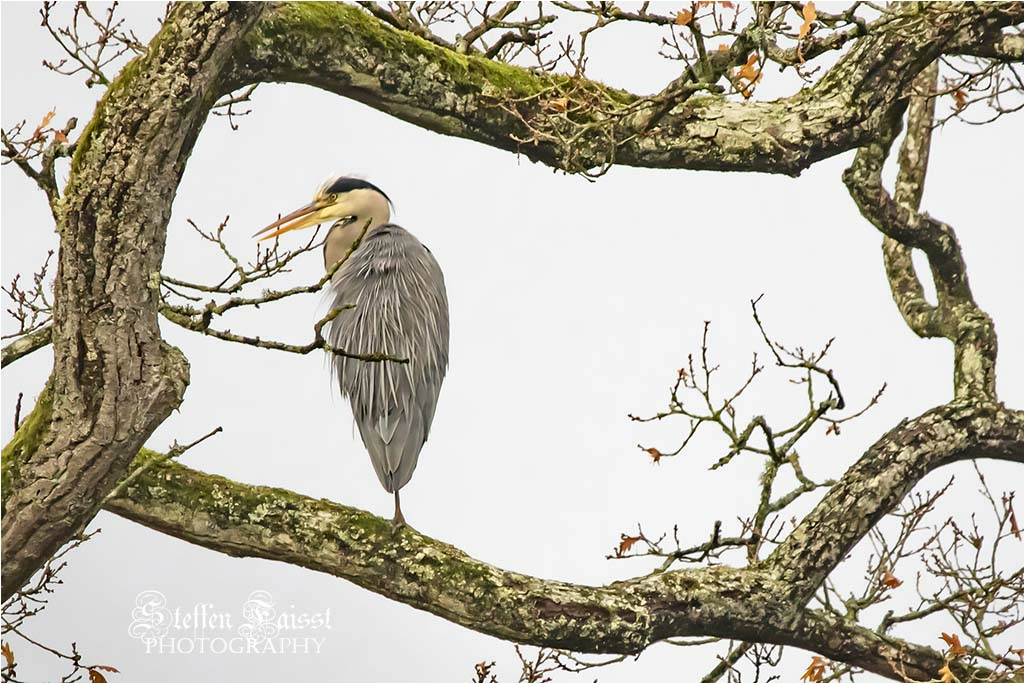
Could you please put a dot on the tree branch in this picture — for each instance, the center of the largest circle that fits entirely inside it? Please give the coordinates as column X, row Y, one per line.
column 761, row 603
column 114, row 379
column 25, row 345
column 956, row 315
column 874, row 485
column 346, row 51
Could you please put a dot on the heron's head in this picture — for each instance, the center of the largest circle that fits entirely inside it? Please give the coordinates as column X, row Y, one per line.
column 350, row 200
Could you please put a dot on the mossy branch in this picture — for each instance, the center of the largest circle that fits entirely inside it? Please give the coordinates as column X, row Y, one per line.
column 760, row 603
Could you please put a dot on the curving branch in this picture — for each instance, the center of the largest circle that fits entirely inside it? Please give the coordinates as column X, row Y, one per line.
column 956, row 316
column 762, row 603
column 114, row 379
column 344, row 50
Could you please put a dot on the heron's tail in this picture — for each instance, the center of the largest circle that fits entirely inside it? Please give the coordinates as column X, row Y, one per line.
column 394, row 446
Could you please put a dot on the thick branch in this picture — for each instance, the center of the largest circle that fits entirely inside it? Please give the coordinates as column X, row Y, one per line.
column 114, row 379
column 762, row 603
column 874, row 485
column 624, row 617
column 344, row 50
column 1003, row 47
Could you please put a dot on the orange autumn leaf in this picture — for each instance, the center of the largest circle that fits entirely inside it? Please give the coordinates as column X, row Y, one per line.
column 96, row 676
column 1014, row 524
column 954, row 641
column 816, row 670
column 888, row 580
column 8, row 654
column 683, row 18
column 960, row 99
column 626, row 544
column 560, row 104
column 44, row 123
column 945, row 674
column 655, row 454
column 748, row 73
column 809, row 16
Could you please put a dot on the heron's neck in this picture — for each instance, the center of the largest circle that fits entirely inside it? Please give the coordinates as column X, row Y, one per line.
column 340, row 239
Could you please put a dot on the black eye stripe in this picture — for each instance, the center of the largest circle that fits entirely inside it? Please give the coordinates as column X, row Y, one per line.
column 346, row 184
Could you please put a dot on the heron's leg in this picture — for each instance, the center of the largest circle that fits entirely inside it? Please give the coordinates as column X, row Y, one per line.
column 398, row 520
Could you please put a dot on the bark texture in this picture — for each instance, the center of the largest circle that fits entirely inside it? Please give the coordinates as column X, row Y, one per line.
column 761, row 603
column 114, row 380
column 343, row 50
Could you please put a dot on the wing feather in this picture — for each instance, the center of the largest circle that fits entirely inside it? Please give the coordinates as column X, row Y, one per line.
column 400, row 309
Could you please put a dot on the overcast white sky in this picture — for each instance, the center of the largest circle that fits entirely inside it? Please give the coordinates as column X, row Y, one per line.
column 573, row 304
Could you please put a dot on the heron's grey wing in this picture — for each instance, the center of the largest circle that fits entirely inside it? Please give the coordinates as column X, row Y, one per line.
column 401, row 309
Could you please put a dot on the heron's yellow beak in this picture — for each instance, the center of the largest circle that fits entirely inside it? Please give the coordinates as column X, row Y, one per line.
column 301, row 218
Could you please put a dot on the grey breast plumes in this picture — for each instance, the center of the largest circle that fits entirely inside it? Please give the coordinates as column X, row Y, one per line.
column 401, row 309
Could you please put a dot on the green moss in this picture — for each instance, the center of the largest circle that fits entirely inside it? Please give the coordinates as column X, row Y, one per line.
column 97, row 124
column 321, row 22
column 27, row 439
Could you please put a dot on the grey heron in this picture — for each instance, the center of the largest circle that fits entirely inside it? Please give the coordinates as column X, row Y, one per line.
column 400, row 308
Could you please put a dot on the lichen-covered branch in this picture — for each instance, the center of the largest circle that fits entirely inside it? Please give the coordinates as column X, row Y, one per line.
column 26, row 344
column 956, row 316
column 344, row 50
column 761, row 603
column 874, row 485
column 114, row 379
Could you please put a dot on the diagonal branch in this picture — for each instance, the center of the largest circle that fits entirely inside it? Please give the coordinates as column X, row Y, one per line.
column 878, row 482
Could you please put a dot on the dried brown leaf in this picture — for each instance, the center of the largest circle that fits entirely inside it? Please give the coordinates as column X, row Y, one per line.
column 809, row 16
column 954, row 641
column 626, row 543
column 888, row 580
column 43, row 124
column 816, row 670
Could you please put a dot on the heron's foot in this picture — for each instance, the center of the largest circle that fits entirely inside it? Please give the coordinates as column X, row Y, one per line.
column 398, row 521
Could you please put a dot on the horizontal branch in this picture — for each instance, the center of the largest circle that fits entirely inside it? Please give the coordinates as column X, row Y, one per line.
column 1003, row 47
column 344, row 50
column 25, row 345
column 761, row 603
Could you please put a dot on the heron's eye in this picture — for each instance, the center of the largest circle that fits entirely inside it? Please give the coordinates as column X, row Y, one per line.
column 333, row 196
